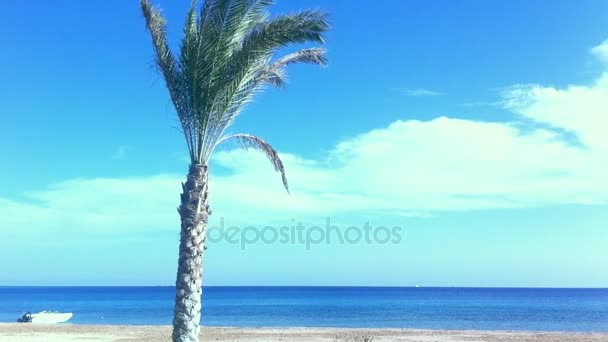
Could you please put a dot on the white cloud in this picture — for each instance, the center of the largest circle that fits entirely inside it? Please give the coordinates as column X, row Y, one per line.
column 97, row 204
column 443, row 164
column 406, row 168
column 420, row 92
column 601, row 51
column 581, row 109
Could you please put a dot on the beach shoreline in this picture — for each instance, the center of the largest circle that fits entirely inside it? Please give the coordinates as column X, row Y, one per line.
column 109, row 333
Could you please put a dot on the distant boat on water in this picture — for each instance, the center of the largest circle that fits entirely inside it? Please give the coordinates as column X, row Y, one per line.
column 46, row 317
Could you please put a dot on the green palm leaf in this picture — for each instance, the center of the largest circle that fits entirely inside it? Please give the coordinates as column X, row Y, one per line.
column 225, row 59
column 248, row 141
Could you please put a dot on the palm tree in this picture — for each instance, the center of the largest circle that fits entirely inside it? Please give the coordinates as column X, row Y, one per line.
column 225, row 58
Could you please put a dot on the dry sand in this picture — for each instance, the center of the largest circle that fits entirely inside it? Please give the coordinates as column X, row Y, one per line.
column 102, row 333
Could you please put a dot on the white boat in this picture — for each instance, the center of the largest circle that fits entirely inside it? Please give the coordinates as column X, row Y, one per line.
column 46, row 317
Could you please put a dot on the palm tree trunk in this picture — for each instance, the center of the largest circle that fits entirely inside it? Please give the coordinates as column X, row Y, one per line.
column 193, row 212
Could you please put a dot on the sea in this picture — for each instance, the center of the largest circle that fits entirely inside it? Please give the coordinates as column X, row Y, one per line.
column 531, row 309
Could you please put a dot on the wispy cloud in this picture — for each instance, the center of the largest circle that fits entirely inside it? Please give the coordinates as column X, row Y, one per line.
column 420, row 92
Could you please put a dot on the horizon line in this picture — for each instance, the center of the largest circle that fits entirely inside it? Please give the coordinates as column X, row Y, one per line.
column 319, row 286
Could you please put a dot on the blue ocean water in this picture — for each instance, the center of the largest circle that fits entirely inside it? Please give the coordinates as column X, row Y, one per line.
column 373, row 307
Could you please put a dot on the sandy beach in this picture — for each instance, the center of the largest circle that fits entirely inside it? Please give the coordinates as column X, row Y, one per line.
column 67, row 332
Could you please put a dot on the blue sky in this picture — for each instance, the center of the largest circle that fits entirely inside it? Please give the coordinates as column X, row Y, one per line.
column 475, row 126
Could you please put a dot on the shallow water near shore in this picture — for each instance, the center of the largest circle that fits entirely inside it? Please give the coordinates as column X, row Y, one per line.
column 353, row 307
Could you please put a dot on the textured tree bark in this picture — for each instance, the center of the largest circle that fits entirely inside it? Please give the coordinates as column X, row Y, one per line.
column 193, row 211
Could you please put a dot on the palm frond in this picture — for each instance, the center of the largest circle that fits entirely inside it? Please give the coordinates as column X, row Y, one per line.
column 248, row 141
column 245, row 69
column 276, row 77
column 274, row 73
column 312, row 55
column 264, row 73
column 266, row 37
column 156, row 25
column 255, row 15
column 223, row 25
column 189, row 49
column 262, row 41
column 170, row 69
column 225, row 59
